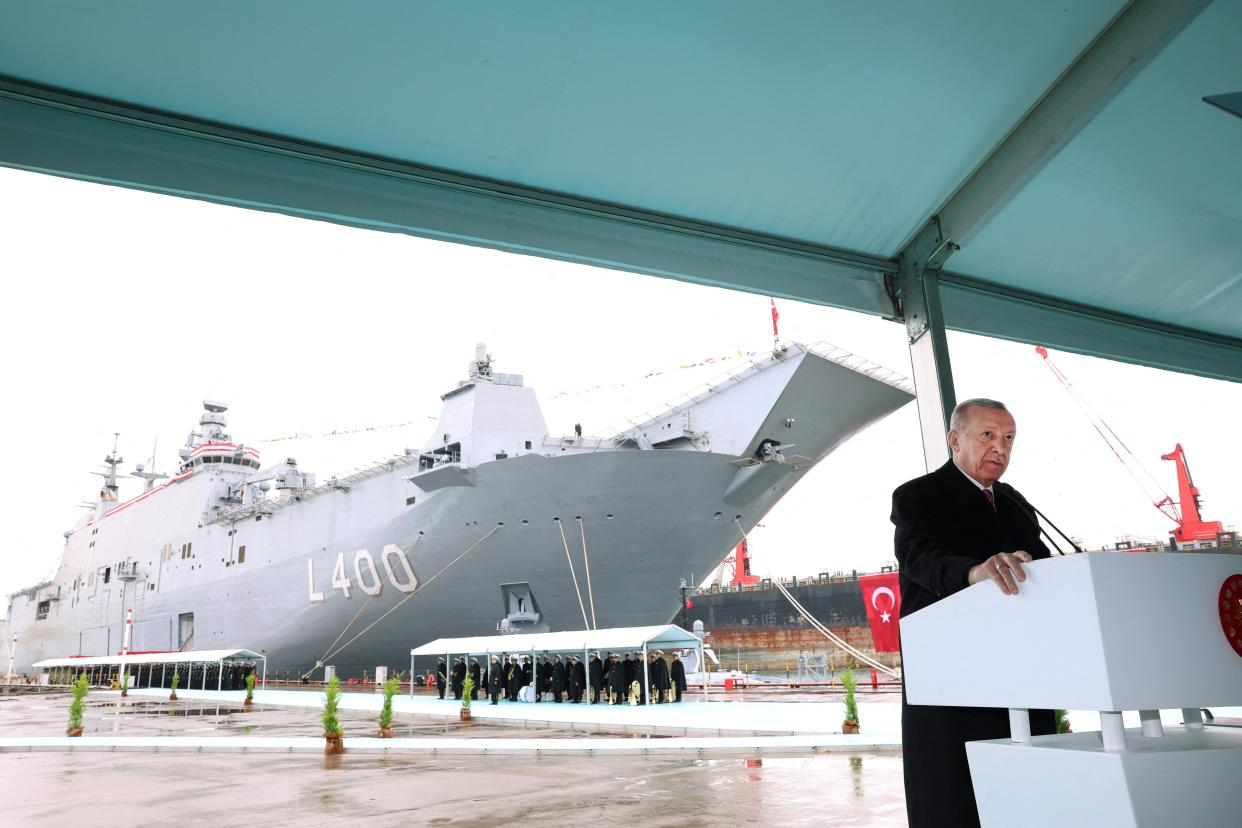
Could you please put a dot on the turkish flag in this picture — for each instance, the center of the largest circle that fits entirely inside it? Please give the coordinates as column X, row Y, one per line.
column 775, row 316
column 882, row 598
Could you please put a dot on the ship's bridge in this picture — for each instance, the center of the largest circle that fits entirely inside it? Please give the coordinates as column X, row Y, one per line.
column 227, row 453
column 212, row 445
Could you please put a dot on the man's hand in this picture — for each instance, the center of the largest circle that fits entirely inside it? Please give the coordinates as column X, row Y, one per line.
column 1005, row 568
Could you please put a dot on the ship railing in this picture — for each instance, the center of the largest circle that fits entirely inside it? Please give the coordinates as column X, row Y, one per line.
column 823, row 349
column 575, row 442
column 839, row 355
column 268, row 506
column 678, row 404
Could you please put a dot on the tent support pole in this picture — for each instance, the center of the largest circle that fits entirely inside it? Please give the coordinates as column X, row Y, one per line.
column 703, row 669
column 646, row 677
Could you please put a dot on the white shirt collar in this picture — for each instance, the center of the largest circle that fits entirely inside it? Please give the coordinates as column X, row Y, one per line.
column 971, row 479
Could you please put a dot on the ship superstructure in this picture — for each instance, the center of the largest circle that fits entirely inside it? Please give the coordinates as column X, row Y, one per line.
column 494, row 524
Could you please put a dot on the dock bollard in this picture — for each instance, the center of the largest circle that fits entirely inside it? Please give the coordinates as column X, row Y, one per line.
column 875, row 679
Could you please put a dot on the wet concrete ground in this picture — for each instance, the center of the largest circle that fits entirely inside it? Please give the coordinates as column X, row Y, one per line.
column 138, row 788
column 208, row 789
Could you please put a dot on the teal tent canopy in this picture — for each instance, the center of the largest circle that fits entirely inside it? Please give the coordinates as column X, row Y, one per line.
column 1087, row 196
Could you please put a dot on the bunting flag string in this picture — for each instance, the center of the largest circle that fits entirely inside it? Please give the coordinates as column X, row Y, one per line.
column 715, row 360
column 336, row 432
column 560, row 395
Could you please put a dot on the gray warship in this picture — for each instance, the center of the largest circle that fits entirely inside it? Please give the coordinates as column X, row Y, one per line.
column 494, row 525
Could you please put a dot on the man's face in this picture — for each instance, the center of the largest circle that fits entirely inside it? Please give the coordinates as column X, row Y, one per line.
column 981, row 448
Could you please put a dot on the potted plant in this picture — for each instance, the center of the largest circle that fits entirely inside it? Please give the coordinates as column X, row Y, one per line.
column 77, row 706
column 176, row 682
column 850, row 682
column 467, row 690
column 249, row 690
column 385, row 720
column 334, row 738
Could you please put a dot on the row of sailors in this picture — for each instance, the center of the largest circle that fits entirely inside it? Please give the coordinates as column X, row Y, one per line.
column 616, row 680
column 193, row 676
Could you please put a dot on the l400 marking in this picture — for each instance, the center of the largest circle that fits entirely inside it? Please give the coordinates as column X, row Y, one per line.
column 393, row 559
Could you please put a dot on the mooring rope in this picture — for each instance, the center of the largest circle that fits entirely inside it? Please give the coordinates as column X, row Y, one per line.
column 574, row 575
column 587, row 561
column 827, row 633
column 840, row 642
column 362, row 609
column 417, row 590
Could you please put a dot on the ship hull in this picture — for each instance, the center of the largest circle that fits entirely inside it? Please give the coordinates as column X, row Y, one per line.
column 637, row 559
column 494, row 525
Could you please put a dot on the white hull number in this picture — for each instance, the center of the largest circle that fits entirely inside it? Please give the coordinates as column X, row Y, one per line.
column 393, row 561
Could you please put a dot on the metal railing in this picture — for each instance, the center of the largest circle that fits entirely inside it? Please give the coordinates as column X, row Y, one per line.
column 822, row 349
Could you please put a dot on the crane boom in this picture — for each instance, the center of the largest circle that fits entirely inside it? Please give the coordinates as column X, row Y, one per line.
column 1190, row 525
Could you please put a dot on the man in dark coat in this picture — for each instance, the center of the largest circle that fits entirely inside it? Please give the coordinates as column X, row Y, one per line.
column 459, row 677
column 513, row 679
column 474, row 676
column 441, row 677
column 627, row 670
column 955, row 527
column 527, row 675
column 617, row 687
column 577, row 679
column 595, row 677
column 661, row 680
column 495, row 678
column 558, row 679
column 678, row 677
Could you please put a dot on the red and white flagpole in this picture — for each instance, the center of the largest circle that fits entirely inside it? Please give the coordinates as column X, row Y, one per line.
column 776, row 332
column 129, row 626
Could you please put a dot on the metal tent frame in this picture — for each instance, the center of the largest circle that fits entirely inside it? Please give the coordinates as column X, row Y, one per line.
column 569, row 641
column 190, row 657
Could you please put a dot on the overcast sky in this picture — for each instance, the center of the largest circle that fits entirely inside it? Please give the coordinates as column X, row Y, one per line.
column 127, row 309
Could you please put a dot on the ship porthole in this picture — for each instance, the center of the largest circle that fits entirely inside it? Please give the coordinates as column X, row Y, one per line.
column 525, row 522
column 609, row 516
column 716, row 516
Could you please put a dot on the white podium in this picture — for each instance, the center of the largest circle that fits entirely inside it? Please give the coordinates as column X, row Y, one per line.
column 1106, row 631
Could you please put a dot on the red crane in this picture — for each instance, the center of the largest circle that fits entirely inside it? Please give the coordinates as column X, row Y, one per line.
column 1190, row 524
column 739, row 563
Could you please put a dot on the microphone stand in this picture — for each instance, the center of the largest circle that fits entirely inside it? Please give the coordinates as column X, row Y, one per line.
column 1024, row 502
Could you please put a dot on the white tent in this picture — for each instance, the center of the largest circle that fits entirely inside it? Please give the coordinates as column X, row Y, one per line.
column 568, row 641
column 189, row 657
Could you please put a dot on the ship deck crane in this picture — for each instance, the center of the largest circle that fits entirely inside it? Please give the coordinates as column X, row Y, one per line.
column 1184, row 512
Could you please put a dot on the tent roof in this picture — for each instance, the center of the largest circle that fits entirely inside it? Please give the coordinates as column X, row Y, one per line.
column 569, row 641
column 792, row 150
column 190, row 656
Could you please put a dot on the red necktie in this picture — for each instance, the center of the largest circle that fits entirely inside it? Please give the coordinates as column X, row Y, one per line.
column 991, row 499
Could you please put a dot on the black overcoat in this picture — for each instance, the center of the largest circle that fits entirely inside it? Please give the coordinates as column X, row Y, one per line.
column 944, row 526
column 679, row 677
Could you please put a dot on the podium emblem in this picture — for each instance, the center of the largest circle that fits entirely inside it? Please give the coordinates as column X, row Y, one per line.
column 1230, row 607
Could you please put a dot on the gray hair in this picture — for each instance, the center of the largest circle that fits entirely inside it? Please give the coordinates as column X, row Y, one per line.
column 961, row 412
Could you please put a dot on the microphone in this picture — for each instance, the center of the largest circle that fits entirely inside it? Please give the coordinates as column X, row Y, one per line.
column 1020, row 502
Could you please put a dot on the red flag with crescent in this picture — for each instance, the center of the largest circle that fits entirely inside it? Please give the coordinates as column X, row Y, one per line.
column 882, row 597
column 775, row 316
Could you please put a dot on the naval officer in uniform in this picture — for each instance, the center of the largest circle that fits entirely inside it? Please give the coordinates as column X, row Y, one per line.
column 955, row 527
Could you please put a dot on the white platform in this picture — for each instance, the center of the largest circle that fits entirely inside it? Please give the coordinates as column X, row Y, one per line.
column 1058, row 780
column 881, row 721
column 1112, row 632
